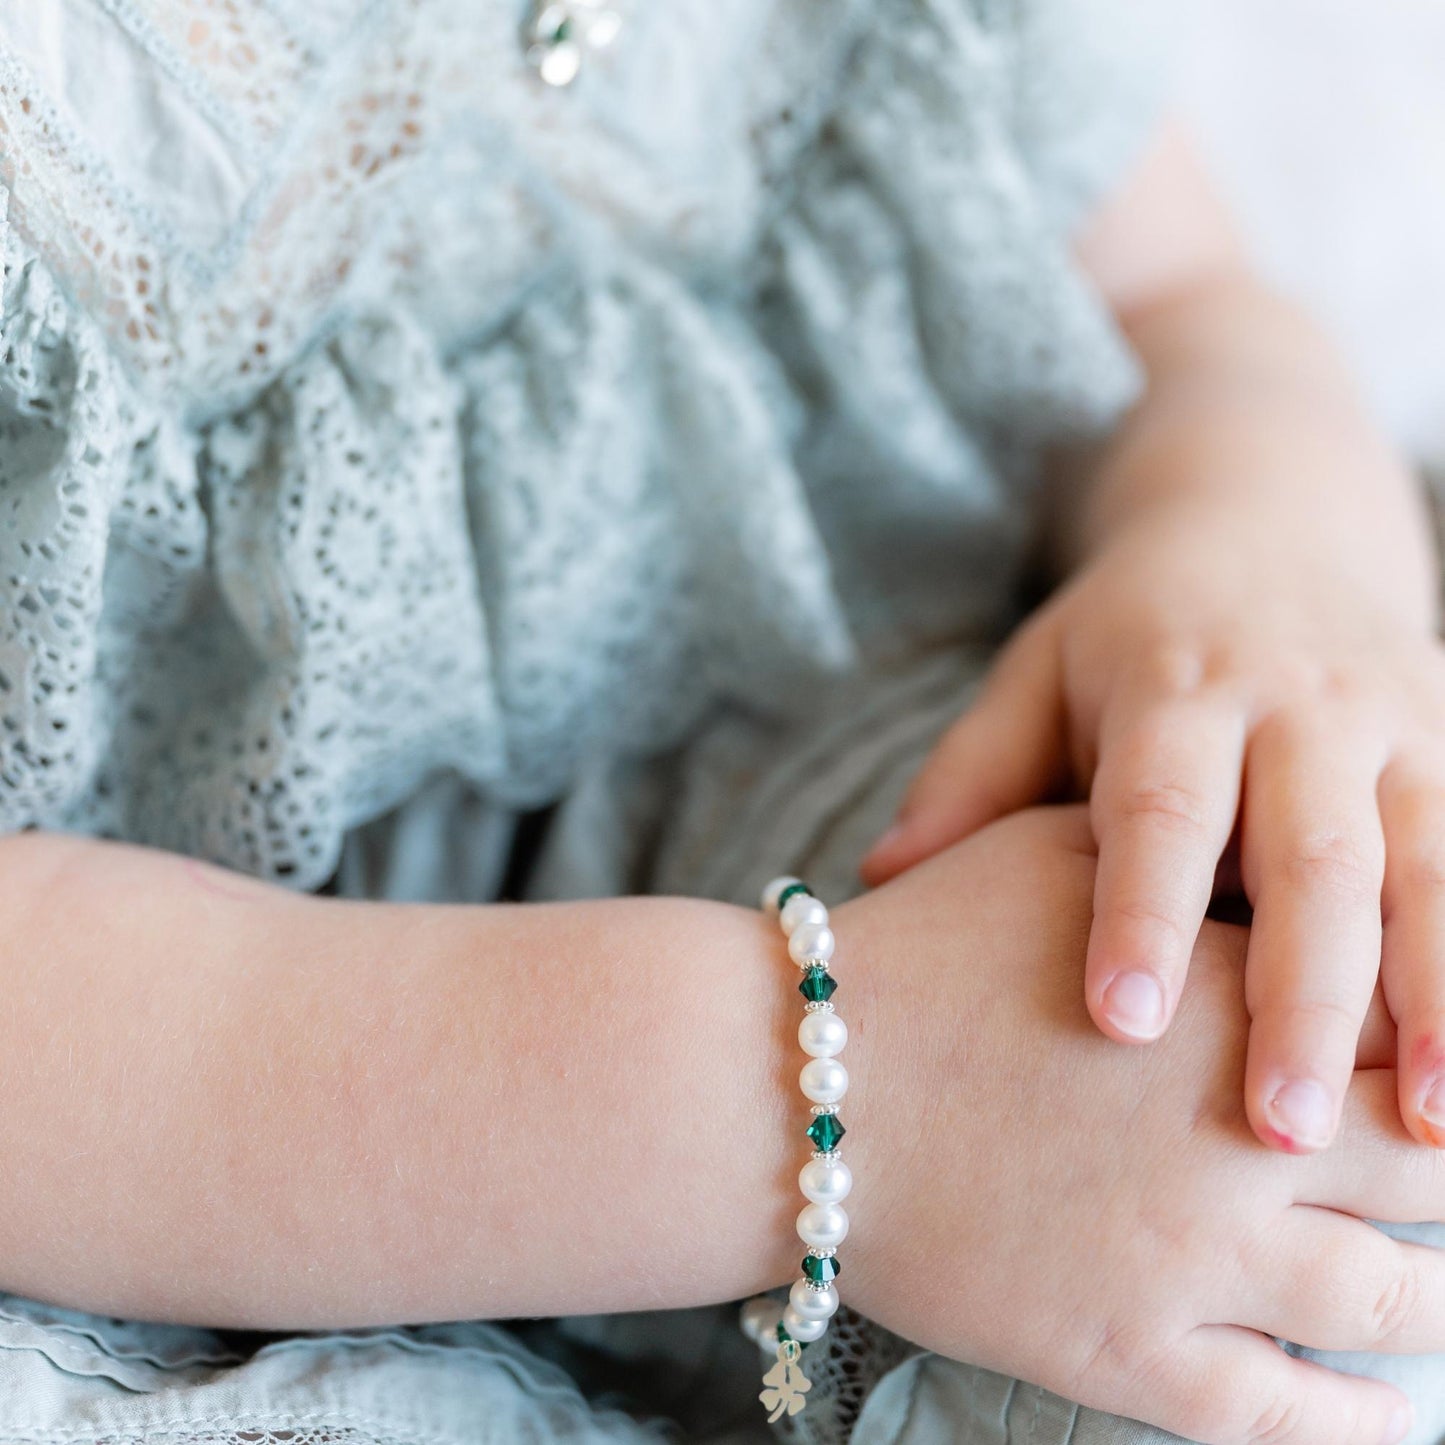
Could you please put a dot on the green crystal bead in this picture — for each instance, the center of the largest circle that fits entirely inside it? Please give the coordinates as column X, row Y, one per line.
column 818, row 985
column 789, row 891
column 825, row 1131
column 820, row 1271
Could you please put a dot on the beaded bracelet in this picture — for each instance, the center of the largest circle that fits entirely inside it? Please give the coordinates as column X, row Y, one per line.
column 825, row 1179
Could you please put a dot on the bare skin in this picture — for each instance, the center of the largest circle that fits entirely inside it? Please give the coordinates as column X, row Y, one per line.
column 307, row 1112
column 1246, row 650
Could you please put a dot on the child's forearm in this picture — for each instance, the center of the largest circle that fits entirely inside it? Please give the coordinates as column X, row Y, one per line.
column 1250, row 417
column 1251, row 430
column 229, row 1105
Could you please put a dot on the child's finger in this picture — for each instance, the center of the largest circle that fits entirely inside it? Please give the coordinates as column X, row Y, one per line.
column 1334, row 1283
column 1236, row 1387
column 1163, row 805
column 1314, row 862
column 1412, row 809
column 1004, row 753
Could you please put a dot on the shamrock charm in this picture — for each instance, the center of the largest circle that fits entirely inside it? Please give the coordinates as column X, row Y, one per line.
column 785, row 1386
column 561, row 32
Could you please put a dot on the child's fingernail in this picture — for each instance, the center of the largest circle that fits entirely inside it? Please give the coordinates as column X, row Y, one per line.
column 1432, row 1109
column 1134, row 1004
column 1303, row 1112
column 1401, row 1418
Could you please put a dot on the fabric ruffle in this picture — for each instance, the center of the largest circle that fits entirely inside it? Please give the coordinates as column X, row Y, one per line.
column 646, row 488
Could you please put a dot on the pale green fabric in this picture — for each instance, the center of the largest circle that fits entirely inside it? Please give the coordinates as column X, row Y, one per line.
column 370, row 411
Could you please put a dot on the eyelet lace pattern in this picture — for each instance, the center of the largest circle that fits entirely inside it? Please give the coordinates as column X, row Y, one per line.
column 369, row 410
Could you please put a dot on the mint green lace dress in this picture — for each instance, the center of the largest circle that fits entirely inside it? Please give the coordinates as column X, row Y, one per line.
column 393, row 444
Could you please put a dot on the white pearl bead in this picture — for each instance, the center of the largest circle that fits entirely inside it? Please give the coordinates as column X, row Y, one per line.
column 805, row 1331
column 824, row 1081
column 811, row 943
column 759, row 1319
column 559, row 62
column 825, row 1226
column 603, row 29
column 801, row 908
column 771, row 891
column 813, row 1304
column 822, row 1034
column 825, row 1181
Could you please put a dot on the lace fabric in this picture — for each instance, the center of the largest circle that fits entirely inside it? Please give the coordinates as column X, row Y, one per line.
column 387, row 413
column 281, row 1435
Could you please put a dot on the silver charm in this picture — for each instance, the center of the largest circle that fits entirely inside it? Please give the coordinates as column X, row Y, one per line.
column 785, row 1386
column 561, row 33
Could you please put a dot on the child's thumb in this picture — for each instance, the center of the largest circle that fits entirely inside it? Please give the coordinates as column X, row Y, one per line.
column 1004, row 753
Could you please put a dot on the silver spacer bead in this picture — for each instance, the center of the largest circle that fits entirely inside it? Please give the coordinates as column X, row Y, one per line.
column 819, row 1006
column 828, row 1156
column 819, row 1285
column 818, row 1252
column 823, row 1109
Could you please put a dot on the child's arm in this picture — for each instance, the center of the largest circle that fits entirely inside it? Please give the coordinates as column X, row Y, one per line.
column 231, row 1105
column 226, row 1104
column 1248, row 643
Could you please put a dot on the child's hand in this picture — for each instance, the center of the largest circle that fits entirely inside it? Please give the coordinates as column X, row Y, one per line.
column 1003, row 1216
column 1194, row 687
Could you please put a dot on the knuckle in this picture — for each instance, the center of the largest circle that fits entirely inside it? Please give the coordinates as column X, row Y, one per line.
column 1333, row 863
column 1280, row 1422
column 1174, row 669
column 1116, row 1357
column 1170, row 805
column 1321, row 1015
column 1319, row 1022
column 1395, row 1308
column 1345, row 685
column 1142, row 918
